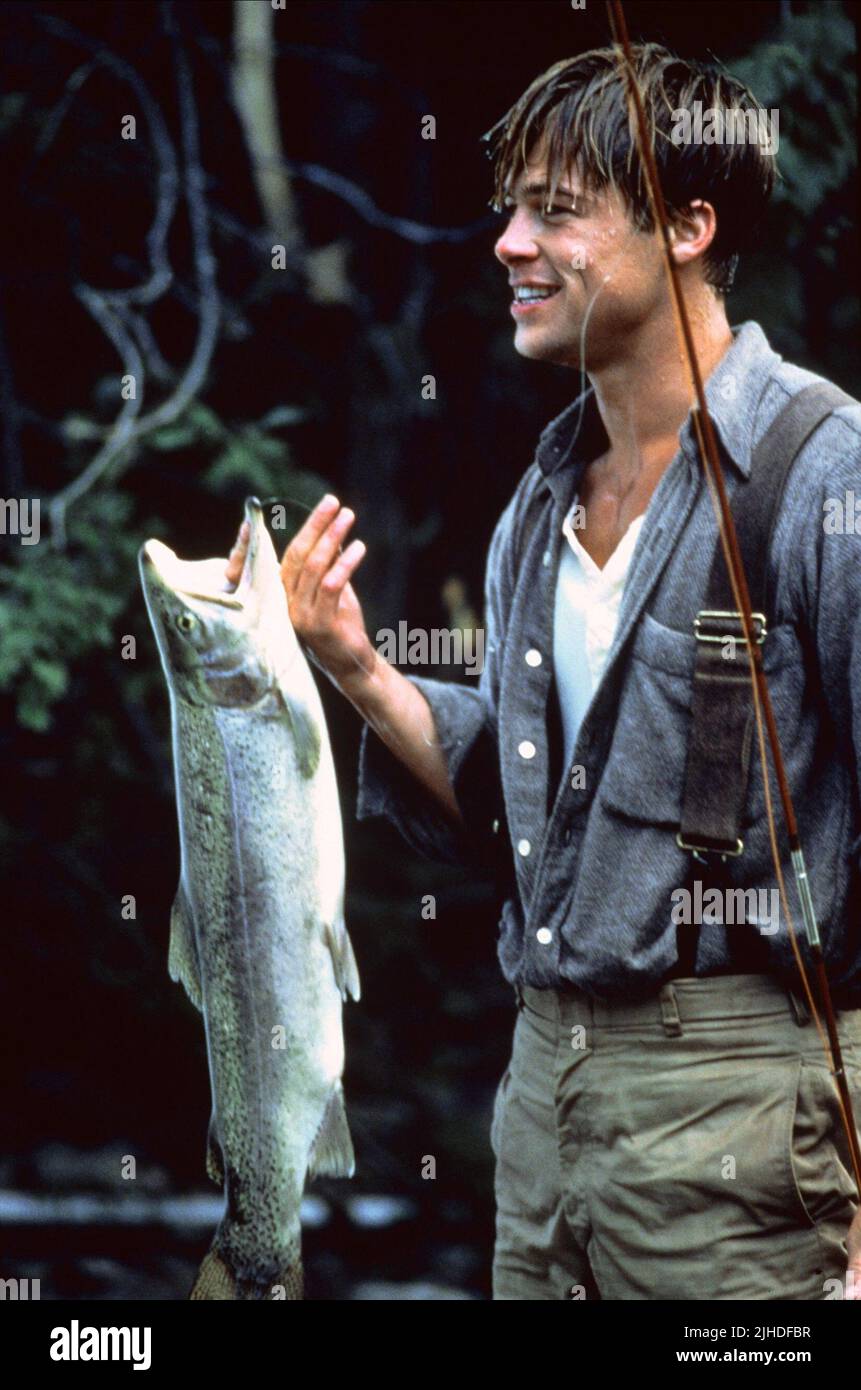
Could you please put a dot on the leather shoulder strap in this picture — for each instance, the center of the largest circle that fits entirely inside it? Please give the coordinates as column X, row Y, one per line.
column 758, row 500
column 719, row 744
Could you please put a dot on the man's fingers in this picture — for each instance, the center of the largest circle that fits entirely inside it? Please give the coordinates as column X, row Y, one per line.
column 307, row 537
column 236, row 558
column 303, row 586
column 333, row 582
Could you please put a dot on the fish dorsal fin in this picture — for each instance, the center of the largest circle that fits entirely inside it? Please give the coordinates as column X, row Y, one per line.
column 332, row 1150
column 343, row 960
column 182, row 954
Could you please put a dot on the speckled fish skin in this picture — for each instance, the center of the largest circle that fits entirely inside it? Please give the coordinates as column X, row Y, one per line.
column 257, row 931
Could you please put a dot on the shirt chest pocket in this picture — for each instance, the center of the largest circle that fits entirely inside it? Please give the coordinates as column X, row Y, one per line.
column 644, row 775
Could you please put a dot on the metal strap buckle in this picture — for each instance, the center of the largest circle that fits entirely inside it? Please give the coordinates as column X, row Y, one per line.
column 710, row 626
column 699, row 850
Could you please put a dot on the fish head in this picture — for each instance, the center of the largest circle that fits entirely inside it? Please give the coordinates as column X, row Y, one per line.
column 219, row 645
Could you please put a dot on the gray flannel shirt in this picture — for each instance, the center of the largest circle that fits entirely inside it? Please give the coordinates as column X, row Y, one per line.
column 595, row 865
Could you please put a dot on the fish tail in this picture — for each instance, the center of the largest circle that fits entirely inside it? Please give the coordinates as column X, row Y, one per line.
column 216, row 1280
column 290, row 1283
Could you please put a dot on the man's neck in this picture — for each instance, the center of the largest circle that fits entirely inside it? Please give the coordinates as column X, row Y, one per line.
column 645, row 398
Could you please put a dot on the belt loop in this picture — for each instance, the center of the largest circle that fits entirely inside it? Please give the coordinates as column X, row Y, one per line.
column 670, row 1011
column 518, row 994
column 800, row 1011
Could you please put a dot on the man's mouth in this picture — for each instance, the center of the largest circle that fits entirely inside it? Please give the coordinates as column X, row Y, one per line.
column 525, row 294
column 528, row 297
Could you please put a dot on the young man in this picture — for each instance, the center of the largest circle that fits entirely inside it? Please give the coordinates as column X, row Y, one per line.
column 667, row 1127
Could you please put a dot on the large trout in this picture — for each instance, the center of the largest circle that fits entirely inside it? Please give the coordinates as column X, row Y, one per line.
column 257, row 932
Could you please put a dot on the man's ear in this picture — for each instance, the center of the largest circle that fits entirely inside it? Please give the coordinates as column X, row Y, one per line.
column 692, row 232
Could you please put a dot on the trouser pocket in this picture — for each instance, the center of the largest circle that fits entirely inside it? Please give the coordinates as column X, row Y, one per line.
column 821, row 1162
column 498, row 1109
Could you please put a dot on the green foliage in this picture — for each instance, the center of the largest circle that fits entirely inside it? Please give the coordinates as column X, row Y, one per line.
column 793, row 281
column 56, row 607
column 250, row 459
column 13, row 106
column 197, row 425
column 807, row 73
column 59, row 607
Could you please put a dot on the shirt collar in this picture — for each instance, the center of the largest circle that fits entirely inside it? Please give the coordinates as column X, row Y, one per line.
column 733, row 393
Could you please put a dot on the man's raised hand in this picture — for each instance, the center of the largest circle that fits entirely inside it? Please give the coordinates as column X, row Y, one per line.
column 324, row 610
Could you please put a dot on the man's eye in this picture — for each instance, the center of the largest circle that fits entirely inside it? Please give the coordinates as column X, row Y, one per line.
column 553, row 210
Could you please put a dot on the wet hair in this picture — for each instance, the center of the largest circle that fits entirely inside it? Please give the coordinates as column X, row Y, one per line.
column 581, row 106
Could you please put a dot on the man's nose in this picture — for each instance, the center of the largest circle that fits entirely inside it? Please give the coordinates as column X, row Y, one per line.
column 517, row 242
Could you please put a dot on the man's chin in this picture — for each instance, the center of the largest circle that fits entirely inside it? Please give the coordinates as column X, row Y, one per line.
column 560, row 354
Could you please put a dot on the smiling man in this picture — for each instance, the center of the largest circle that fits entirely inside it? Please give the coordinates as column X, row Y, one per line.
column 667, row 1127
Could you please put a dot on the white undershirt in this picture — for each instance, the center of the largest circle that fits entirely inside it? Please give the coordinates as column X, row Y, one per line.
column 586, row 612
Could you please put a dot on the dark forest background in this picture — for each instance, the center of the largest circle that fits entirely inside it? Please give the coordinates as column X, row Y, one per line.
column 153, row 256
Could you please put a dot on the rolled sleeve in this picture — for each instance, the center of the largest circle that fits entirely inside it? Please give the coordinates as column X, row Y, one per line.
column 387, row 788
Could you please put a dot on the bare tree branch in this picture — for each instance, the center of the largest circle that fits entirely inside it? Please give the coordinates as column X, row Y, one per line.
column 335, row 183
column 129, row 331
column 256, row 103
column 111, row 308
column 364, row 205
column 167, row 179
column 122, row 432
column 160, row 370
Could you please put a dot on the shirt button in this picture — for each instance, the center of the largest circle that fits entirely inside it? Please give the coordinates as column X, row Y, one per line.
column 533, row 657
column 544, row 935
column 523, row 847
column 526, row 749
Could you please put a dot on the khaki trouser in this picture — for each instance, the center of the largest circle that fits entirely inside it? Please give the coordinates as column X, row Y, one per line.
column 690, row 1146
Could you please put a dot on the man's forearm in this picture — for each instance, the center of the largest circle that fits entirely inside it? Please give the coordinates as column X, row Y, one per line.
column 400, row 715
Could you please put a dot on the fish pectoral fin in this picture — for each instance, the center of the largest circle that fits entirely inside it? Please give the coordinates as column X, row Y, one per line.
column 306, row 734
column 332, row 1150
column 182, row 955
column 343, row 960
column 214, row 1157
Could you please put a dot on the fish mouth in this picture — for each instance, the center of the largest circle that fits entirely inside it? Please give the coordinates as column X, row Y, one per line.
column 160, row 564
column 224, row 600
column 205, row 580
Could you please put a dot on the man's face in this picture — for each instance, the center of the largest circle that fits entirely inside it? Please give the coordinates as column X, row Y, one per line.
column 602, row 273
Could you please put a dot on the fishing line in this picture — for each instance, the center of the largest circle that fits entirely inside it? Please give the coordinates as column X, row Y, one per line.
column 630, row 234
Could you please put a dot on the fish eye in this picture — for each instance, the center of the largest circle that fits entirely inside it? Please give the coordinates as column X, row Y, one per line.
column 186, row 622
